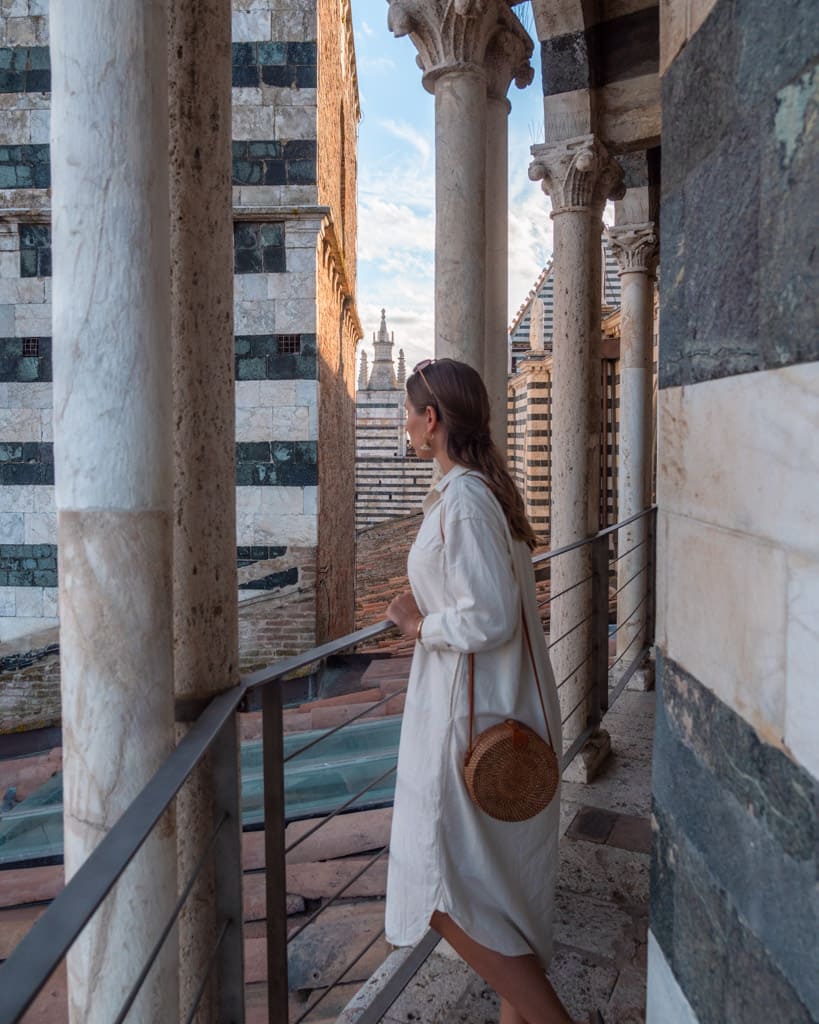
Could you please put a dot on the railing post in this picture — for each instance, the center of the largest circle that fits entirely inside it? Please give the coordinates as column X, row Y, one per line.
column 651, row 569
column 275, row 874
column 227, row 874
column 599, row 703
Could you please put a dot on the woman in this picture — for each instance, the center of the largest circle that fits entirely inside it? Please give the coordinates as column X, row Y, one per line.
column 486, row 886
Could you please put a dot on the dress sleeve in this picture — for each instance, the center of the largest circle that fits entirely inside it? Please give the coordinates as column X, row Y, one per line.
column 480, row 584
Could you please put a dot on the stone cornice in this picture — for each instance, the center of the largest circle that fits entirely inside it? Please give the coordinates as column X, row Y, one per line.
column 477, row 35
column 635, row 247
column 577, row 174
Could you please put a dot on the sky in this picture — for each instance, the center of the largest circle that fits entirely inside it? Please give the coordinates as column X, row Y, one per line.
column 396, row 188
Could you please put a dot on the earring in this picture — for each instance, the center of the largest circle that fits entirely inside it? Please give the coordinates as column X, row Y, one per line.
column 427, row 443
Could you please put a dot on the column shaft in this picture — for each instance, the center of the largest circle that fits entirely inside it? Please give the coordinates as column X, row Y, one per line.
column 495, row 357
column 204, row 577
column 460, row 232
column 113, row 466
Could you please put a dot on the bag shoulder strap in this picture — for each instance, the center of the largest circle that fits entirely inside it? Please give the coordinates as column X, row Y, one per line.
column 472, row 656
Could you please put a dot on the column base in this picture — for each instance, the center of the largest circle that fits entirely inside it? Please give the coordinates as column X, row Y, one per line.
column 591, row 758
column 643, row 679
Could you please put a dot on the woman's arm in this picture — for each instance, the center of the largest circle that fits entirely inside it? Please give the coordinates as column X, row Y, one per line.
column 484, row 598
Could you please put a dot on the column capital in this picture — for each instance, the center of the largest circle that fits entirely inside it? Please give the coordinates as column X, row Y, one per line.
column 635, row 247
column 482, row 36
column 577, row 174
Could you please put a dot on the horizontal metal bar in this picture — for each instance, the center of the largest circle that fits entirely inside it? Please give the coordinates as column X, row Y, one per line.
column 547, row 555
column 623, row 653
column 335, row 982
column 342, row 725
column 300, row 661
column 32, row 962
column 208, row 973
column 342, row 807
column 560, row 593
column 399, row 981
column 568, row 632
column 180, row 903
column 614, row 561
column 631, row 580
column 631, row 615
column 574, row 671
column 615, row 691
column 577, row 706
column 336, row 895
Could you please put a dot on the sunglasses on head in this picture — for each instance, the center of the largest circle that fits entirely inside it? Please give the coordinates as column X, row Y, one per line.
column 419, row 369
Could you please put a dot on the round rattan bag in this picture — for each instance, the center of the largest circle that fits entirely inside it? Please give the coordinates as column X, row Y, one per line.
column 511, row 773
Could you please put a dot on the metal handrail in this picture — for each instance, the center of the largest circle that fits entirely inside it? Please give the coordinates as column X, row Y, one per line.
column 34, row 959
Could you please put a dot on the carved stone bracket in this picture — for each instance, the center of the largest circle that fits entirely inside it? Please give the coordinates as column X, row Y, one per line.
column 577, row 174
column 635, row 247
column 483, row 36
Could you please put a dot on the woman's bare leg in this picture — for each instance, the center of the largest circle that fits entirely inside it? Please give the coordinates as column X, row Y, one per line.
column 527, row 996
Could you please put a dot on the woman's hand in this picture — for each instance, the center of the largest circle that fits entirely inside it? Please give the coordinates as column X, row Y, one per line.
column 405, row 613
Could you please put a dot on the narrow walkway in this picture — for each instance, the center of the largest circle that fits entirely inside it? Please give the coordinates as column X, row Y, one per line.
column 601, row 912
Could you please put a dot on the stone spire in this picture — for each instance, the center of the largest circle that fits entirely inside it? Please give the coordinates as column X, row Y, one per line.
column 382, row 376
column 402, row 369
column 362, row 373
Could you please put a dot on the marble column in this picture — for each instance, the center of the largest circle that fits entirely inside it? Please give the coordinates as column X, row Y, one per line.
column 635, row 247
column 453, row 39
column 507, row 59
column 114, row 476
column 578, row 175
column 205, row 585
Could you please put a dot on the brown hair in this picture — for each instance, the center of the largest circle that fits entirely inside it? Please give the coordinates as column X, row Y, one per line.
column 458, row 395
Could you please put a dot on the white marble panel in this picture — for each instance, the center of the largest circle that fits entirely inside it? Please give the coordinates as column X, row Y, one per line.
column 254, row 123
column 311, row 501
column 15, row 8
column 250, row 26
column 258, row 317
column 273, row 393
column 50, row 602
column 284, row 529
column 286, row 501
column 40, row 126
column 665, row 1001
column 9, row 238
column 312, row 421
column 29, row 602
column 292, row 422
column 31, row 396
column 307, row 393
column 303, row 232
column 741, row 452
column 722, row 616
column 285, row 96
column 44, row 500
column 33, row 321
column 40, row 528
column 47, row 433
column 21, row 289
column 292, row 285
column 19, row 498
column 7, row 316
column 12, row 527
column 8, row 605
column 247, row 97
column 296, row 22
column 296, row 315
column 38, row 8
column 802, row 699
column 247, row 394
column 250, row 286
column 295, row 122
column 302, row 259
column 21, row 424
column 10, row 264
column 254, row 424
column 12, row 628
column 254, row 5
column 15, row 127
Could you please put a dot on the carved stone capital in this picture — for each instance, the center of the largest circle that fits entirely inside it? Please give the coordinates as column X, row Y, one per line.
column 577, row 174
column 465, row 35
column 635, row 247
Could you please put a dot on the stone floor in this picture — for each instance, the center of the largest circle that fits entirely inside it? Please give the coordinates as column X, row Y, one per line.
column 601, row 907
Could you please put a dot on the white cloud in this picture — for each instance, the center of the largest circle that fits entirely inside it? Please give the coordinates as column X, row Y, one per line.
column 405, row 131
column 365, row 28
column 376, row 65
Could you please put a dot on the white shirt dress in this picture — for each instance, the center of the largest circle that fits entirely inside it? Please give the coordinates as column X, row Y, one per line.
column 494, row 879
